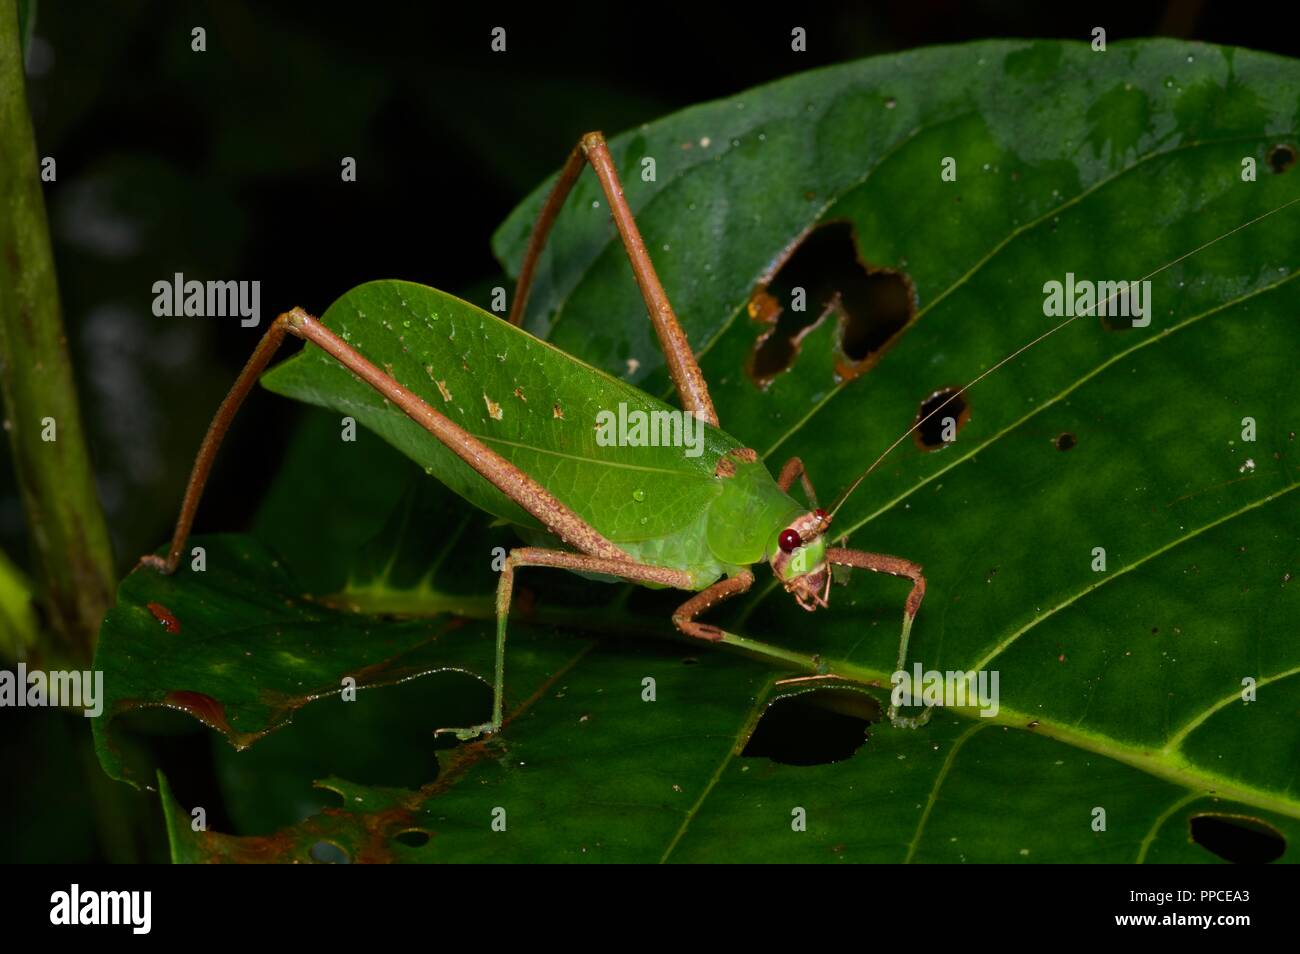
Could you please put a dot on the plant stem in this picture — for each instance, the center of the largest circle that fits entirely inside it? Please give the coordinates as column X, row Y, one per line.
column 71, row 558
column 18, row 627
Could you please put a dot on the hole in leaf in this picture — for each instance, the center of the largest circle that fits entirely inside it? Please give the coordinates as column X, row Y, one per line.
column 413, row 838
column 328, row 853
column 941, row 416
column 813, row 728
column 1065, row 441
column 1281, row 157
column 874, row 312
column 822, row 273
column 1238, row 838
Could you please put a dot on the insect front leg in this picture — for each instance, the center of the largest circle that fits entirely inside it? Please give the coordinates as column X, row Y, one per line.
column 628, row 570
column 894, row 566
column 793, row 470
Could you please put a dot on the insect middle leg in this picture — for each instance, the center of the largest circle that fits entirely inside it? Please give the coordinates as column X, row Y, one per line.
column 628, row 570
column 682, row 366
column 894, row 566
column 684, row 618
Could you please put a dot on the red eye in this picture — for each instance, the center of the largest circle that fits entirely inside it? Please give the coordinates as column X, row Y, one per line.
column 820, row 514
column 788, row 540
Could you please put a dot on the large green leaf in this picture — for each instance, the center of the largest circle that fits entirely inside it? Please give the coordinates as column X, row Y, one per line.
column 588, row 769
column 1116, row 165
column 1120, row 689
column 240, row 648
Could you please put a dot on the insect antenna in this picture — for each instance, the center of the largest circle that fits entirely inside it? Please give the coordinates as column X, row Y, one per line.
column 843, row 497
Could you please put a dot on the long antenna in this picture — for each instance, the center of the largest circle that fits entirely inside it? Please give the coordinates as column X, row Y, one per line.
column 1023, row 348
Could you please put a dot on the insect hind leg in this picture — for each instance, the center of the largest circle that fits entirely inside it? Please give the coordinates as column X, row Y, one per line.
column 692, row 389
column 261, row 357
column 523, row 489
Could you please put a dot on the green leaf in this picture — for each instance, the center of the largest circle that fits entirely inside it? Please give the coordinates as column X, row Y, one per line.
column 1114, row 166
column 586, row 769
column 1120, row 689
column 240, row 648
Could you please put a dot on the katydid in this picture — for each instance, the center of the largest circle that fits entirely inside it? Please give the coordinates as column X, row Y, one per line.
column 654, row 517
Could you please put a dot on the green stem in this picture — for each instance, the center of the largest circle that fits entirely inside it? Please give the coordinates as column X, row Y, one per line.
column 71, row 559
column 18, row 626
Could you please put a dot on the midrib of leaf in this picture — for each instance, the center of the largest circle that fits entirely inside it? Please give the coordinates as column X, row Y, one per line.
column 1170, row 766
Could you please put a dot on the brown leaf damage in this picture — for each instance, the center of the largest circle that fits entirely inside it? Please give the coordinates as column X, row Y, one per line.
column 822, row 274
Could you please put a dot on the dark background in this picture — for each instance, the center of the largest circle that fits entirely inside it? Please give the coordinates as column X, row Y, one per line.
column 225, row 164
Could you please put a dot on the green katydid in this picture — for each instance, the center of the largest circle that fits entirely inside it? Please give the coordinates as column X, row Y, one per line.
column 513, row 419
